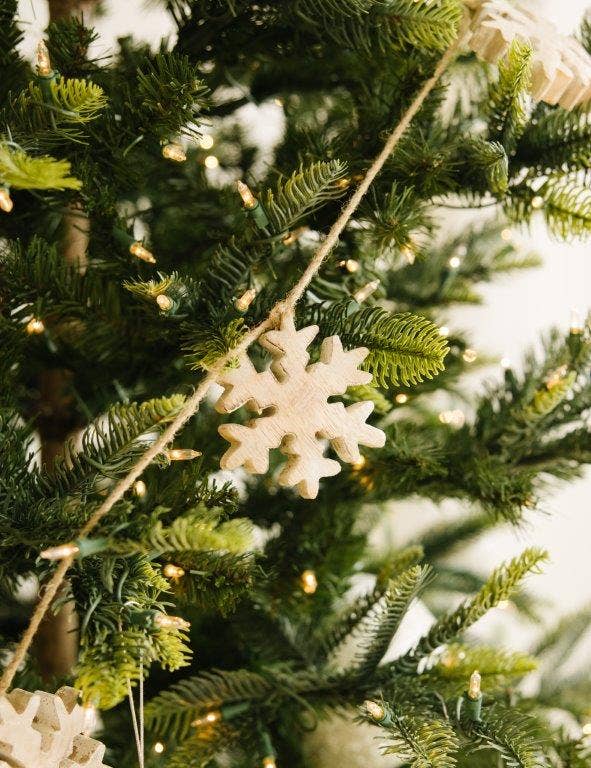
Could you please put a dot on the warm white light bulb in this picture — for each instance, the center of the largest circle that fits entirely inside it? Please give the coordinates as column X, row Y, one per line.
column 164, row 621
column 248, row 199
column 172, row 571
column 309, row 582
column 208, row 719
column 454, row 262
column 401, row 398
column 6, row 203
column 366, row 291
column 211, row 161
column 139, row 250
column 206, row 142
column 182, row 454
column 164, row 302
column 375, row 710
column 243, row 302
column 140, row 489
column 158, row 747
column 35, row 326
column 61, row 552
column 43, row 60
column 174, row 152
column 474, row 686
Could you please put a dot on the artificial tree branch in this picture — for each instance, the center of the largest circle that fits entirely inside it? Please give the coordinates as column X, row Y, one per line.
column 280, row 309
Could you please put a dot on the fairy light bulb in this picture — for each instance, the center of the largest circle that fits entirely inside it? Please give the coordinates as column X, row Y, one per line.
column 139, row 250
column 444, row 331
column 359, row 464
column 409, row 254
column 349, row 265
column 182, row 454
column 469, row 355
column 269, row 762
column 211, row 161
column 454, row 262
column 366, row 291
column 174, row 151
column 158, row 747
column 507, row 234
column 206, row 142
column 164, row 302
column 209, row 719
column 61, row 552
column 164, row 621
column 344, row 183
column 172, row 571
column 555, row 377
column 243, row 302
column 375, row 710
column 474, row 692
column 43, row 61
column 537, row 202
column 35, row 326
column 248, row 199
column 6, row 203
column 401, row 398
column 453, row 418
column 576, row 322
column 309, row 582
column 140, row 489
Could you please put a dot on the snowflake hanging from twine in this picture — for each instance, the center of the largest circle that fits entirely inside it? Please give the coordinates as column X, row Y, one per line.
column 42, row 730
column 291, row 399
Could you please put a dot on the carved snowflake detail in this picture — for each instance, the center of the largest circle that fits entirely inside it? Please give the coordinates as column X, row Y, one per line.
column 42, row 730
column 291, row 398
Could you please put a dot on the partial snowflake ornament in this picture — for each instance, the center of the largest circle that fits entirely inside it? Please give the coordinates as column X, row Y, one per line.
column 561, row 66
column 43, row 730
column 291, row 399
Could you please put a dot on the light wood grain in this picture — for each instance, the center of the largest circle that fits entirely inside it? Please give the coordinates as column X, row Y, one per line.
column 43, row 730
column 291, row 399
column 561, row 67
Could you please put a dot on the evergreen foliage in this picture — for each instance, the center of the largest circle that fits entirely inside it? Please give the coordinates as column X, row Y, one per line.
column 101, row 348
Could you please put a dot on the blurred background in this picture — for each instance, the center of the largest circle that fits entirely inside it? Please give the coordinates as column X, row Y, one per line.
column 515, row 312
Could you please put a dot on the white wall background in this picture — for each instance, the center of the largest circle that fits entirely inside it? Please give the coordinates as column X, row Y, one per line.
column 516, row 311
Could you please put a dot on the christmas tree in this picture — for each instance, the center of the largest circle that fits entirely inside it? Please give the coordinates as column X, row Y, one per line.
column 176, row 296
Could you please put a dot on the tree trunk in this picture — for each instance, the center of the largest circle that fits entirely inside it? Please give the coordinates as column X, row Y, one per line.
column 61, row 9
column 56, row 643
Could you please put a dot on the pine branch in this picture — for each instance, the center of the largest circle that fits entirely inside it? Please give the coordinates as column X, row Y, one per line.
column 303, row 193
column 506, row 97
column 499, row 586
column 421, row 741
column 172, row 712
column 23, row 171
column 514, row 736
column 79, row 101
column 109, row 447
column 387, row 617
column 402, row 348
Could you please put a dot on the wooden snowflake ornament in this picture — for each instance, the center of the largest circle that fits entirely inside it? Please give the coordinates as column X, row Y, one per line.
column 291, row 398
column 561, row 67
column 42, row 730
